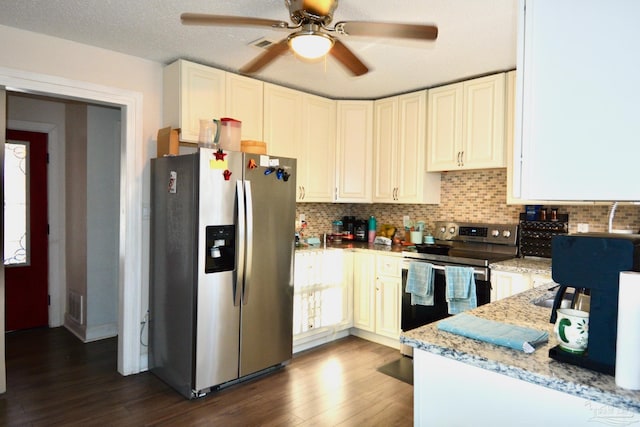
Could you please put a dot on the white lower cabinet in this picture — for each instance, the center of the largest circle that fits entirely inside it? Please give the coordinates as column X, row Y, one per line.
column 338, row 292
column 506, row 283
column 377, row 283
column 388, row 295
column 323, row 297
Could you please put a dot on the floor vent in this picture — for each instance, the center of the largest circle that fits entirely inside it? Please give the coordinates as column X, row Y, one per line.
column 74, row 306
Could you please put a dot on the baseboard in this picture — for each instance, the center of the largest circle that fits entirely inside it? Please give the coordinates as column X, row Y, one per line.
column 310, row 342
column 379, row 339
column 100, row 332
column 90, row 333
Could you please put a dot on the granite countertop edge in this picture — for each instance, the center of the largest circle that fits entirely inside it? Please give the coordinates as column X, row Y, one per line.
column 523, row 265
column 536, row 368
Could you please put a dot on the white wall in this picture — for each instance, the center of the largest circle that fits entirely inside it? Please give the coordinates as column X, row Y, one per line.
column 35, row 53
column 103, row 205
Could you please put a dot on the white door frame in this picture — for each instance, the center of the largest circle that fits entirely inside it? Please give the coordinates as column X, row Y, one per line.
column 131, row 170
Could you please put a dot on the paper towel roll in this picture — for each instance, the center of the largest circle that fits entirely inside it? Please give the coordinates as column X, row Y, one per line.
column 628, row 338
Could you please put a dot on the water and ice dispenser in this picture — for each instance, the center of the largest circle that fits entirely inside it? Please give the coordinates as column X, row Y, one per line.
column 220, row 251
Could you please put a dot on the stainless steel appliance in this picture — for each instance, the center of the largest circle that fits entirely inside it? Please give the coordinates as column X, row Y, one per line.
column 221, row 273
column 466, row 244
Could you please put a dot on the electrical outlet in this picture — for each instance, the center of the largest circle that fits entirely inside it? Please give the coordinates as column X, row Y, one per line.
column 302, row 218
column 583, row 228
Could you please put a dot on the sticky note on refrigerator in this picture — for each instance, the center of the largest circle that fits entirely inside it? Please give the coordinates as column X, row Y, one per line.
column 218, row 164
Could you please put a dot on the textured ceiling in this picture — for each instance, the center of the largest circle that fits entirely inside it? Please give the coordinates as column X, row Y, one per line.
column 476, row 37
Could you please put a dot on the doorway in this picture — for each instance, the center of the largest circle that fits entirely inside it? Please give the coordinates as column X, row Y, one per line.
column 25, row 235
column 132, row 166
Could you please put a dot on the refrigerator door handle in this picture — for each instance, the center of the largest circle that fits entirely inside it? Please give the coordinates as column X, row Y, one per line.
column 249, row 241
column 241, row 245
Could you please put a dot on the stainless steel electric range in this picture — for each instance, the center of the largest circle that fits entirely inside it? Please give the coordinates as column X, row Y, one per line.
column 457, row 243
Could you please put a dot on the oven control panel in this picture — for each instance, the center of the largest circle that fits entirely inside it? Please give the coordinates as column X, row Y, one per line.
column 503, row 234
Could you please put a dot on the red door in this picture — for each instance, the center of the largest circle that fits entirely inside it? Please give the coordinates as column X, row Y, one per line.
column 26, row 284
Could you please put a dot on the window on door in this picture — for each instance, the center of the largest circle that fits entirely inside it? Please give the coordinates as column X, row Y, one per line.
column 16, row 208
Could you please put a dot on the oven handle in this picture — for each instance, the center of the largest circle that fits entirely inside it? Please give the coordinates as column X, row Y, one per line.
column 481, row 273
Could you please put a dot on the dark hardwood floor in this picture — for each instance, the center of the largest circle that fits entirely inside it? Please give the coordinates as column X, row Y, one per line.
column 54, row 379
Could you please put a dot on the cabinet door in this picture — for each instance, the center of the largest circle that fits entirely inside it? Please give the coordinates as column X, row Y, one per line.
column 316, row 152
column 410, row 160
column 354, row 151
column 388, row 306
column 347, row 289
column 384, row 150
column 245, row 103
column 483, row 122
column 282, row 120
column 192, row 92
column 505, row 284
column 444, row 127
column 364, row 294
column 578, row 110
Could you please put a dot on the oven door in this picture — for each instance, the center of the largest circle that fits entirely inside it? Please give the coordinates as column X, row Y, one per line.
column 414, row 316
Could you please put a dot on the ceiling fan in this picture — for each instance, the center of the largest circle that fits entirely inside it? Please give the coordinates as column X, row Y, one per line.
column 313, row 37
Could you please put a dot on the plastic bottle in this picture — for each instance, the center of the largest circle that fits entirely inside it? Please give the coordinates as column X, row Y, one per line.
column 372, row 228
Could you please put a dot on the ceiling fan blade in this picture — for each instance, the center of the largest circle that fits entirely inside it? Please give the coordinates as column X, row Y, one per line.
column 348, row 59
column 388, row 29
column 263, row 60
column 205, row 19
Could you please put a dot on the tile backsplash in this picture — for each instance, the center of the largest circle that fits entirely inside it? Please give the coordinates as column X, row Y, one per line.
column 471, row 196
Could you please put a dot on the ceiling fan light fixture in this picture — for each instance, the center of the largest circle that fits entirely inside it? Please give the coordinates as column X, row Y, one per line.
column 310, row 45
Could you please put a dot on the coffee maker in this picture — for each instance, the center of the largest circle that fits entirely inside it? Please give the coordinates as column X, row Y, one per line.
column 593, row 261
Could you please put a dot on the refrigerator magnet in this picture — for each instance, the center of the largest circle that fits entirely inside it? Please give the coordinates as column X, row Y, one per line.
column 173, row 177
column 226, row 174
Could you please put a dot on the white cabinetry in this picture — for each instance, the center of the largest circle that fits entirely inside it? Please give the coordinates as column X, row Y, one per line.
column 466, row 125
column 354, row 151
column 399, row 151
column 282, row 120
column 323, row 302
column 506, row 283
column 364, row 295
column 377, row 297
column 245, row 103
column 577, row 121
column 388, row 295
column 192, row 92
column 303, row 127
column 316, row 150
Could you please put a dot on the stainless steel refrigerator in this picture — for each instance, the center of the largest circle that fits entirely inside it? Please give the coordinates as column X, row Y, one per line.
column 221, row 270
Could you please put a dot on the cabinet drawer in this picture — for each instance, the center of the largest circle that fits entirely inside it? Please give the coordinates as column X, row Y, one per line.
column 389, row 266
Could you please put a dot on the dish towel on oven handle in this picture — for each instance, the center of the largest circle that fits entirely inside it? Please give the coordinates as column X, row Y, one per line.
column 420, row 283
column 461, row 288
column 494, row 332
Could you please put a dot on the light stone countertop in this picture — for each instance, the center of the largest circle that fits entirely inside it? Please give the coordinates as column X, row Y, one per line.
column 524, row 265
column 395, row 250
column 536, row 368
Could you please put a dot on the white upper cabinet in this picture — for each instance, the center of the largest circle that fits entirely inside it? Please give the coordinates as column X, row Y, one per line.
column 303, row 127
column 282, row 120
column 192, row 92
column 466, row 125
column 577, row 97
column 245, row 103
column 317, row 150
column 399, row 151
column 354, row 151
